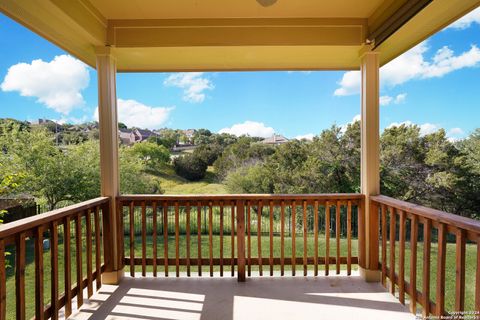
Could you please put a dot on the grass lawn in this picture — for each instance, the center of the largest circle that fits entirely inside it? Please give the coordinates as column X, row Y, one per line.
column 450, row 264
column 173, row 184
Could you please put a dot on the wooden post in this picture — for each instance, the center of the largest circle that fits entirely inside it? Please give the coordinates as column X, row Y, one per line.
column 240, row 241
column 370, row 159
column 108, row 125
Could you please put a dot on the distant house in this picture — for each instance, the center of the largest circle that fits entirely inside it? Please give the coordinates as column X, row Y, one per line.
column 276, row 139
column 43, row 121
column 143, row 134
column 189, row 133
column 126, row 136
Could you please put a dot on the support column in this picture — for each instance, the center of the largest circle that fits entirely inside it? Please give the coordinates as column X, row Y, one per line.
column 110, row 186
column 370, row 161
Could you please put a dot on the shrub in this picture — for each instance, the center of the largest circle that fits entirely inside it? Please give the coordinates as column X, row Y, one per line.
column 190, row 167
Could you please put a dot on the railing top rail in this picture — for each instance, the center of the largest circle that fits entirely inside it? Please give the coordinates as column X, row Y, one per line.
column 231, row 197
column 429, row 213
column 9, row 229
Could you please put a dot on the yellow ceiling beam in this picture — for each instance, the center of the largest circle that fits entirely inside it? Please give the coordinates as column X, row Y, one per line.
column 237, row 58
column 236, row 32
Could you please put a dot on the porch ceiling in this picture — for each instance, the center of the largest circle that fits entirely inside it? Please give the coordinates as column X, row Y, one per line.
column 164, row 35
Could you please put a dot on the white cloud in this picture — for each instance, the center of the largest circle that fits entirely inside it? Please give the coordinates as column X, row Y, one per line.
column 304, row 72
column 455, row 132
column 192, row 83
column 387, row 100
column 467, row 20
column 425, row 128
column 399, row 124
column 308, row 136
column 71, row 120
column 136, row 114
column 400, row 98
column 428, row 128
column 350, row 84
column 413, row 65
column 56, row 84
column 344, row 127
column 251, row 128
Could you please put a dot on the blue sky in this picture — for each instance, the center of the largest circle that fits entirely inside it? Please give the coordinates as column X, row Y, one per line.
column 434, row 85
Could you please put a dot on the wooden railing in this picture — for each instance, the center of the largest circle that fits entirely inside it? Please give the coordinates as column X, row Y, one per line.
column 241, row 233
column 86, row 223
column 413, row 226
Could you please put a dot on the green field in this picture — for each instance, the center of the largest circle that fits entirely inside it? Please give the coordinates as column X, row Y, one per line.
column 173, row 184
column 450, row 264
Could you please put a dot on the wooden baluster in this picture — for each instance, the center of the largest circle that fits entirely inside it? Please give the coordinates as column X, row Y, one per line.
column 187, row 209
column 68, row 265
column 144, row 239
column 177, row 241
column 327, row 238
column 221, row 239
column 89, row 254
column 154, row 238
column 349, row 237
column 259, row 236
column 413, row 264
column 270, row 259
column 3, row 282
column 337, row 235
column 98, row 244
column 132, row 239
column 282, row 238
column 54, row 265
column 249, row 237
column 120, row 237
column 78, row 253
column 477, row 277
column 38, row 273
column 232, row 263
column 393, row 223
column 384, row 246
column 361, row 234
column 315, row 236
column 241, row 240
column 401, row 269
column 165, row 237
column 210, row 237
column 305, row 269
column 427, row 226
column 199, row 237
column 294, row 229
column 460, row 271
column 20, row 276
column 441, row 259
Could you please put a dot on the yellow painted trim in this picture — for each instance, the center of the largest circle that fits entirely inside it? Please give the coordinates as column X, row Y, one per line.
column 436, row 16
column 300, row 43
column 235, row 32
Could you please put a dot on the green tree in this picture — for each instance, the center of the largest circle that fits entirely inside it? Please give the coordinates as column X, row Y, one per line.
column 153, row 155
column 244, row 152
column 190, row 167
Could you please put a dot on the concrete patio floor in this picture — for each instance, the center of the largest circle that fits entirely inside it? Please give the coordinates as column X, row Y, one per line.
column 333, row 297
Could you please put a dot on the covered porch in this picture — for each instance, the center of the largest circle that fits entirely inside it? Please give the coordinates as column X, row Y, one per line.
column 335, row 297
column 274, row 251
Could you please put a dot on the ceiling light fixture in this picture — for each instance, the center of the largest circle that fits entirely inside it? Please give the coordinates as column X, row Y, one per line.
column 266, row 3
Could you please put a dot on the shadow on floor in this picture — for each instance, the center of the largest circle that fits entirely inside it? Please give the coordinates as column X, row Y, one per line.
column 334, row 297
